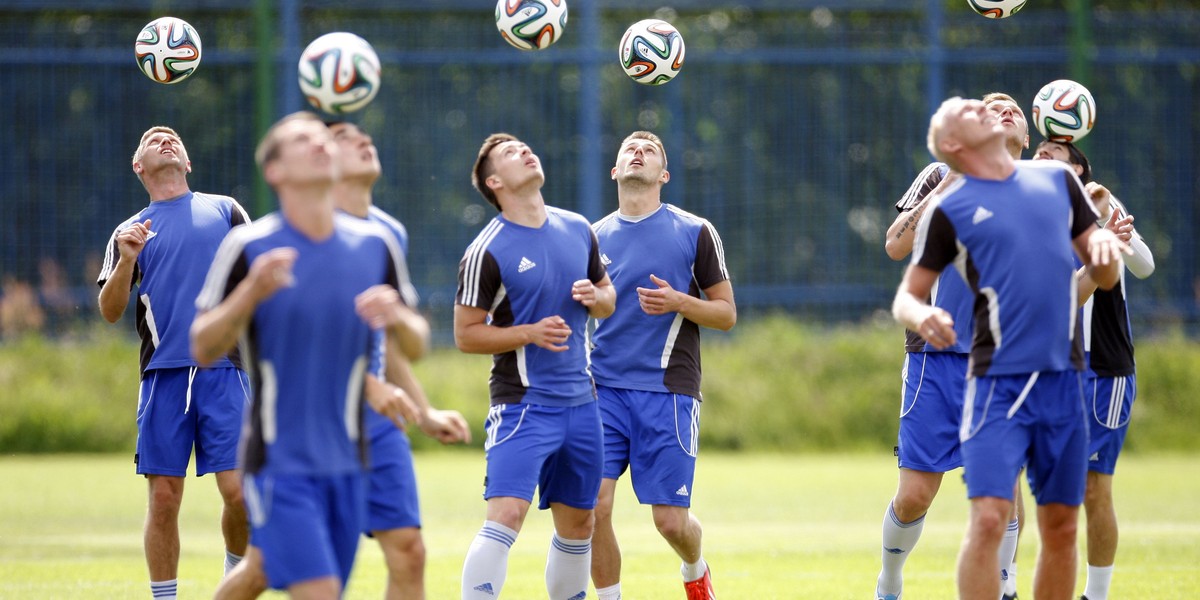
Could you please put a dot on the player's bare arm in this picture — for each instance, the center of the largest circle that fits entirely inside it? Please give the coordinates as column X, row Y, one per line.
column 380, row 307
column 445, row 426
column 114, row 296
column 930, row 322
column 716, row 310
column 1101, row 253
column 473, row 335
column 390, row 401
column 215, row 332
column 600, row 298
column 903, row 230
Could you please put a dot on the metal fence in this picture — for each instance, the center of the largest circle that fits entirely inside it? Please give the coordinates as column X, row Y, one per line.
column 794, row 126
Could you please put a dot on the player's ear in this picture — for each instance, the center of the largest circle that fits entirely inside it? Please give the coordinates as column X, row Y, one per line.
column 1026, row 146
column 137, row 167
column 613, row 174
column 270, row 172
column 189, row 166
column 493, row 182
column 949, row 145
column 665, row 177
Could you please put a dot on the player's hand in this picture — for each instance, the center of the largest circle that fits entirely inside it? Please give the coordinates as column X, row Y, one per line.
column 1122, row 228
column 584, row 292
column 1101, row 198
column 271, row 271
column 380, row 306
column 659, row 300
column 132, row 240
column 550, row 333
column 446, row 426
column 391, row 402
column 937, row 328
column 1105, row 248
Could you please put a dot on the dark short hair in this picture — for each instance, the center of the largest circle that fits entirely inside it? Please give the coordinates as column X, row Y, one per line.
column 483, row 166
column 1075, row 157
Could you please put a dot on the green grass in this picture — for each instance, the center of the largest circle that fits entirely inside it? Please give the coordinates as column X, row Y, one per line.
column 776, row 526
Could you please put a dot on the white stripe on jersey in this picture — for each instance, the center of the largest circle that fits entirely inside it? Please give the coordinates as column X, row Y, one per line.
column 522, row 370
column 354, row 388
column 270, row 395
column 111, row 253
column 910, row 197
column 669, row 347
column 230, row 249
column 472, row 269
column 712, row 231
column 145, row 298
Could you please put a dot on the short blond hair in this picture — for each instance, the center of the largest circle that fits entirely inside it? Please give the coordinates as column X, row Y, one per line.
column 937, row 125
column 137, row 152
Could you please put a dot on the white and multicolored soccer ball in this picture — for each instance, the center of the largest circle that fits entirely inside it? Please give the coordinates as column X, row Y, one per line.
column 339, row 73
column 531, row 24
column 1064, row 111
column 997, row 9
column 168, row 50
column 651, row 52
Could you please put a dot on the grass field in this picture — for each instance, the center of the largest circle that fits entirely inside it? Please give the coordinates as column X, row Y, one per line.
column 776, row 526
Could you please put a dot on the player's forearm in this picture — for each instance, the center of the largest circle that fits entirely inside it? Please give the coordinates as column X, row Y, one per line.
column 400, row 373
column 1085, row 286
column 411, row 335
column 606, row 302
column 114, row 295
column 214, row 333
column 714, row 314
column 1106, row 276
column 908, row 310
column 903, row 231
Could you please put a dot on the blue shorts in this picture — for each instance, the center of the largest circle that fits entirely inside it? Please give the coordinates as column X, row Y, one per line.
column 655, row 435
column 559, row 450
column 1109, row 401
column 1035, row 420
column 392, row 501
column 185, row 407
column 931, row 410
column 307, row 527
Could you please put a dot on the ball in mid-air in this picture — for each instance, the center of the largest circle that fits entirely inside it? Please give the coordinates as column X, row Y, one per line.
column 531, row 24
column 1064, row 111
column 168, row 50
column 997, row 9
column 339, row 73
column 651, row 52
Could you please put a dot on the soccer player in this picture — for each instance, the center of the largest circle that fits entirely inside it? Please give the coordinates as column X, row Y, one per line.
column 393, row 510
column 526, row 287
column 165, row 250
column 309, row 293
column 1111, row 384
column 1009, row 228
column 935, row 379
column 646, row 358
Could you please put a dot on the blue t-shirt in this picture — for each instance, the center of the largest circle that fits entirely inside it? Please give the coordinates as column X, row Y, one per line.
column 656, row 353
column 1011, row 241
column 184, row 235
column 522, row 275
column 306, row 349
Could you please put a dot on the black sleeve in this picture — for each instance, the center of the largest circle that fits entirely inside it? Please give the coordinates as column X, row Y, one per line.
column 936, row 243
column 596, row 270
column 709, row 269
column 1083, row 214
column 928, row 179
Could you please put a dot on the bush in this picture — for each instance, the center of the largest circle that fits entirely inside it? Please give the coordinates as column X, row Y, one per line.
column 773, row 384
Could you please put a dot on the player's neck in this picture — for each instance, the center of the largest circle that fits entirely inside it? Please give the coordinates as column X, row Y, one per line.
column 995, row 166
column 165, row 187
column 351, row 199
column 308, row 210
column 638, row 202
column 525, row 209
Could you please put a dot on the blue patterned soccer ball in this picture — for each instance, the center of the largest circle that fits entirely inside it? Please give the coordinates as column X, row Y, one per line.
column 997, row 9
column 531, row 24
column 168, row 50
column 651, row 52
column 339, row 73
column 1064, row 111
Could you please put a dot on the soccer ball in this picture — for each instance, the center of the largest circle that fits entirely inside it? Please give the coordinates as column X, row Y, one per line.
column 651, row 52
column 1064, row 111
column 531, row 24
column 168, row 50
column 339, row 73
column 997, row 9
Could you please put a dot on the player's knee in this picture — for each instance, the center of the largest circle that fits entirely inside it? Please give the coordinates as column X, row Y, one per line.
column 911, row 504
column 672, row 524
column 165, row 498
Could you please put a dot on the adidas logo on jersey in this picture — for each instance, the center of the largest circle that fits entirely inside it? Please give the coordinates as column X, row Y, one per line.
column 485, row 588
column 981, row 214
column 605, row 259
column 682, row 491
column 1094, row 457
column 525, row 265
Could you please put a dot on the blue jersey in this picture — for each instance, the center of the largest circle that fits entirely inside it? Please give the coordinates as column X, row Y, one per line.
column 949, row 293
column 1011, row 241
column 184, row 235
column 306, row 349
column 655, row 353
column 522, row 275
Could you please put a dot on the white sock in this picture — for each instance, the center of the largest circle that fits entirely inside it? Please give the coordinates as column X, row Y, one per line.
column 1097, row 582
column 568, row 568
column 1008, row 553
column 231, row 561
column 693, row 571
column 612, row 592
column 164, row 590
column 899, row 539
column 486, row 564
